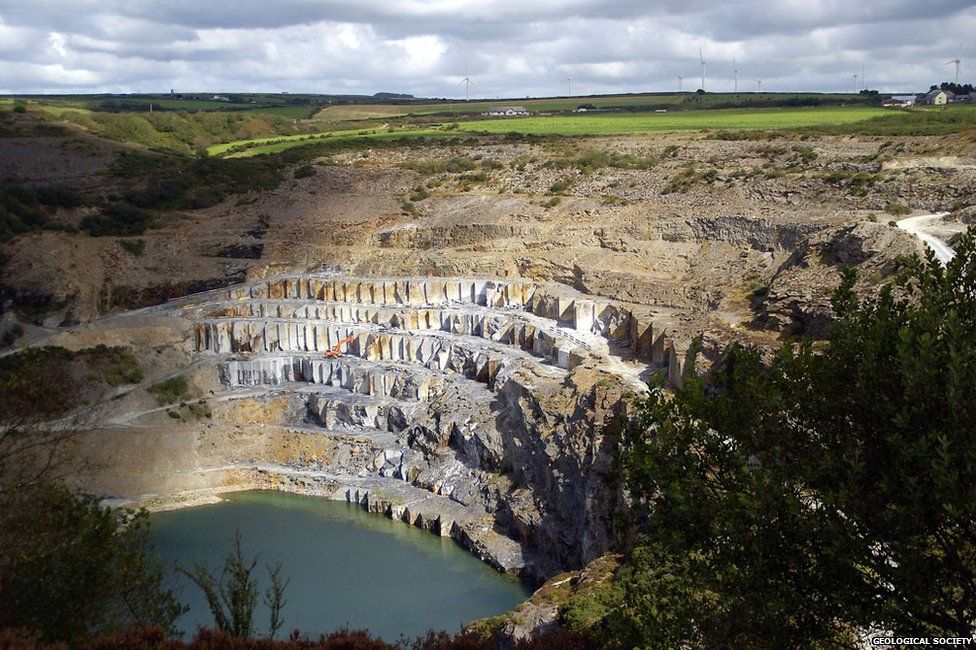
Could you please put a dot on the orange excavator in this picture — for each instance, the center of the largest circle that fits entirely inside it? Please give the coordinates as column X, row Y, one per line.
column 335, row 351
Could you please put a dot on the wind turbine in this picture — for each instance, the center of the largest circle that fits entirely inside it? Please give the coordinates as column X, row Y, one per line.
column 735, row 77
column 466, row 82
column 680, row 79
column 569, row 80
column 864, row 84
column 957, row 62
column 855, row 83
column 701, row 61
column 759, row 84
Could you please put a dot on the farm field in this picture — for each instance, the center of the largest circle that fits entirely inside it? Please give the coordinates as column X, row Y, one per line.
column 550, row 104
column 612, row 124
column 582, row 125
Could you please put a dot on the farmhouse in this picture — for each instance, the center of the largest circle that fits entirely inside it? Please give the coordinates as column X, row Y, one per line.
column 939, row 97
column 507, row 111
column 900, row 101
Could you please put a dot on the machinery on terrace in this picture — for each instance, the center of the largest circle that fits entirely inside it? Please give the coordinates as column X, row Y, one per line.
column 337, row 348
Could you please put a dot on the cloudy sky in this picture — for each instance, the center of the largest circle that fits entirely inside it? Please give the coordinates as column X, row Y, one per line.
column 511, row 48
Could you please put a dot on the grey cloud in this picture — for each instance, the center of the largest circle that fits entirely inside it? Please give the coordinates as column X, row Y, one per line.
column 510, row 47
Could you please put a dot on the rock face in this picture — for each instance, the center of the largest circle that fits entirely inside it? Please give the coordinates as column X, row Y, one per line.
column 797, row 301
column 471, row 407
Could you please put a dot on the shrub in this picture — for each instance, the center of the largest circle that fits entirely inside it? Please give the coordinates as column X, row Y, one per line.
column 170, row 390
column 70, row 569
column 592, row 159
column 10, row 335
column 454, row 165
column 22, row 209
column 558, row 186
column 304, row 172
column 688, row 178
column 861, row 182
column 135, row 247
column 897, row 209
column 807, row 154
column 117, row 219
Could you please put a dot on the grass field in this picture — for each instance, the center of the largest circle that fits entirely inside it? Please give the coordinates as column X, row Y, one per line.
column 582, row 125
column 617, row 123
column 554, row 104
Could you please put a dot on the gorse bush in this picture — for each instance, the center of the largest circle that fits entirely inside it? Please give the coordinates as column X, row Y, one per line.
column 170, row 390
column 175, row 183
column 591, row 159
column 23, row 209
column 117, row 219
column 304, row 171
column 453, row 165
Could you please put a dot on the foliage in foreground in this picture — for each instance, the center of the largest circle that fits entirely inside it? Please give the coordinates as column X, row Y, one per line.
column 233, row 595
column 70, row 569
column 154, row 638
column 833, row 492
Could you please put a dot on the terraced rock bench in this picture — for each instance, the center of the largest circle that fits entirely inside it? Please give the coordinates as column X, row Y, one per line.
column 575, row 320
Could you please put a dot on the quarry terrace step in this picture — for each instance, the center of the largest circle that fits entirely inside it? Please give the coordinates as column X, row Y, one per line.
column 642, row 333
column 336, row 408
column 473, row 320
column 350, row 373
column 232, row 335
column 476, row 358
column 378, row 438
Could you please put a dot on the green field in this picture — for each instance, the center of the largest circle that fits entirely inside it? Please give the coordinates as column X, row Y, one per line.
column 644, row 101
column 617, row 123
column 582, row 125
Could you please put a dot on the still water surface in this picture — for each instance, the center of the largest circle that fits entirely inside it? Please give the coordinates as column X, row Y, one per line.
column 347, row 566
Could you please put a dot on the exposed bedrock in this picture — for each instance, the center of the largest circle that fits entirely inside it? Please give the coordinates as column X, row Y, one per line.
column 740, row 231
column 551, row 447
column 797, row 300
column 471, row 407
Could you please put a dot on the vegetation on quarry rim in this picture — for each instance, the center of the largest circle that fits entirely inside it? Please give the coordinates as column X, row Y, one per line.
column 274, row 144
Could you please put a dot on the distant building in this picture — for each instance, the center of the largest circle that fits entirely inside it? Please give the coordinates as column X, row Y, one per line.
column 899, row 101
column 507, row 111
column 965, row 98
column 939, row 97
